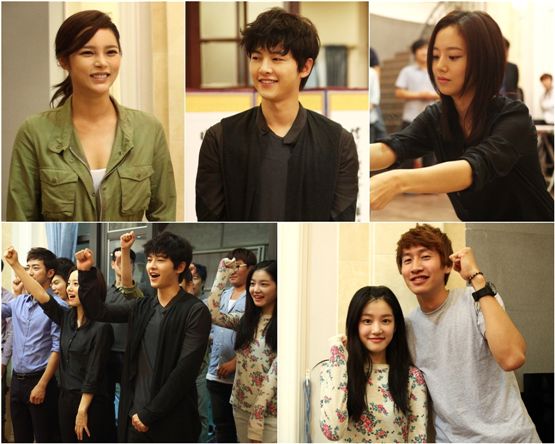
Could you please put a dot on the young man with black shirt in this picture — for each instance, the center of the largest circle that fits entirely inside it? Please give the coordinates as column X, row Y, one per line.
column 167, row 338
column 278, row 161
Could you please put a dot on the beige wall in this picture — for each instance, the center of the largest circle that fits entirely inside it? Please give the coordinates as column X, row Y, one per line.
column 168, row 68
column 343, row 23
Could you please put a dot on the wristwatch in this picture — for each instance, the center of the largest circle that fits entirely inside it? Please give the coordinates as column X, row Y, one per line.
column 488, row 290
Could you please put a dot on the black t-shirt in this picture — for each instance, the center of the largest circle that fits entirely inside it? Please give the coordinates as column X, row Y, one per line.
column 147, row 359
column 507, row 183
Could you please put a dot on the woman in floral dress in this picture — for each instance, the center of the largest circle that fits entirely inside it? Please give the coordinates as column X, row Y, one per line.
column 254, row 394
column 369, row 391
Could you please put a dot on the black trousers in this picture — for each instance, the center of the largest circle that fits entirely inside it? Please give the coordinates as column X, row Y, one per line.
column 34, row 422
column 100, row 418
column 222, row 411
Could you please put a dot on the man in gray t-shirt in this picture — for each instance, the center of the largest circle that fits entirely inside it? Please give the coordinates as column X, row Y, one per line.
column 464, row 343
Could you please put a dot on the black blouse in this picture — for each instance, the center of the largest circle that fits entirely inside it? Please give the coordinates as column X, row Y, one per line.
column 84, row 350
column 507, row 183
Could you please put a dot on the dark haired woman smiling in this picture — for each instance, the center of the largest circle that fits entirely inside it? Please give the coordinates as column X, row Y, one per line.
column 90, row 158
column 254, row 394
column 485, row 144
column 369, row 390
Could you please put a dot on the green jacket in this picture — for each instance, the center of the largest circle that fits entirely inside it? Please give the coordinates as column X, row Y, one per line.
column 51, row 180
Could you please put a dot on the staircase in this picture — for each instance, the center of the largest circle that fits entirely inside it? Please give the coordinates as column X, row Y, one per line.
column 392, row 108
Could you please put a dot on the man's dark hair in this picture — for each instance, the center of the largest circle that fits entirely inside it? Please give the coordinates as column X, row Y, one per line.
column 417, row 45
column 201, row 271
column 48, row 258
column 277, row 27
column 64, row 267
column 546, row 76
column 247, row 256
column 132, row 254
column 172, row 246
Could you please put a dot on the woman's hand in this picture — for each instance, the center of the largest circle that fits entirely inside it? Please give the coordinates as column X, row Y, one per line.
column 81, row 421
column 84, row 259
column 384, row 187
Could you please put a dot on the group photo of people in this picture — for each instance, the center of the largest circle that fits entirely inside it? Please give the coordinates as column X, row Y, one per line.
column 176, row 343
column 417, row 332
column 160, row 160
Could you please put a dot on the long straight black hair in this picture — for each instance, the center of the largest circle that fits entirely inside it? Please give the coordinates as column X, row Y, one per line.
column 249, row 322
column 74, row 33
column 397, row 353
column 486, row 60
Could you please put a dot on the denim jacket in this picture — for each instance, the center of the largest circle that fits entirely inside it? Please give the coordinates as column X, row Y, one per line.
column 50, row 179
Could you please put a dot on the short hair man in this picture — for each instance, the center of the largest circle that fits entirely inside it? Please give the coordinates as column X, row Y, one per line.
column 35, row 356
column 278, row 161
column 167, row 339
column 221, row 370
column 464, row 343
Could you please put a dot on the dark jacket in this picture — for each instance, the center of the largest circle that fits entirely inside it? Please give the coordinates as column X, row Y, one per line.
column 172, row 412
column 322, row 177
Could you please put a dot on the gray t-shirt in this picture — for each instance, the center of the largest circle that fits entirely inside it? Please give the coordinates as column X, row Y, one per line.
column 474, row 399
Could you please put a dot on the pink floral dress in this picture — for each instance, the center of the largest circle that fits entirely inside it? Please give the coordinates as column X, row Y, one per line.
column 380, row 422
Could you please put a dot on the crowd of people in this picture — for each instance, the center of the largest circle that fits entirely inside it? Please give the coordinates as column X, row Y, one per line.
column 98, row 363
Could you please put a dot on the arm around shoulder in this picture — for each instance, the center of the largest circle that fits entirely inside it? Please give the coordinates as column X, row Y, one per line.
column 334, row 415
column 418, row 407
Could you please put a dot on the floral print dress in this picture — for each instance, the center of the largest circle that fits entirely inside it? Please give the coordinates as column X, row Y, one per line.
column 380, row 422
column 255, row 385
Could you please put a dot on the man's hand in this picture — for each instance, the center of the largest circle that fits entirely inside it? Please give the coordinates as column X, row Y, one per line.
column 84, row 259
column 37, row 395
column 464, row 263
column 10, row 256
column 127, row 240
column 137, row 424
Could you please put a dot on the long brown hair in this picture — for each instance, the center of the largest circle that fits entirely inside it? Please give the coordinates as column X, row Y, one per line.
column 73, row 34
column 486, row 60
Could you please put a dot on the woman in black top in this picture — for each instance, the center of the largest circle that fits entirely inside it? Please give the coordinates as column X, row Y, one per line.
column 86, row 410
column 485, row 144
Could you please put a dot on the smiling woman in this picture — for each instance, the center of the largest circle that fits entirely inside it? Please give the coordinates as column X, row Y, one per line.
column 370, row 392
column 90, row 158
